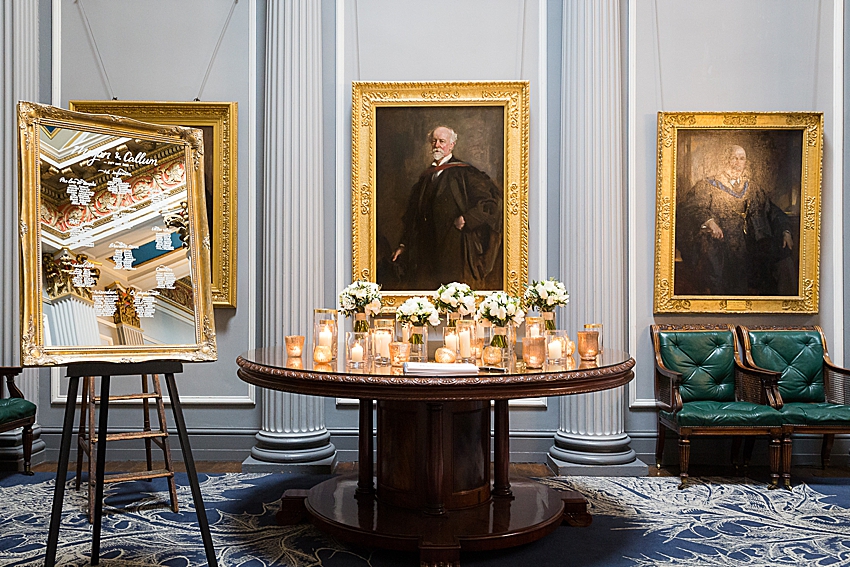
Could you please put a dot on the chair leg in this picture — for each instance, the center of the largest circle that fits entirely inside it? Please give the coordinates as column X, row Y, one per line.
column 659, row 444
column 749, row 443
column 774, row 458
column 684, row 459
column 826, row 449
column 786, row 460
column 26, row 437
column 736, row 450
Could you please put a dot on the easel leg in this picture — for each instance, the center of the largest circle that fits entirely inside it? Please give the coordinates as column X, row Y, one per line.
column 191, row 472
column 101, row 468
column 61, row 472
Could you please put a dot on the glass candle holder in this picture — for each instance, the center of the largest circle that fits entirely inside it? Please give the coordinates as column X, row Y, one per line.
column 381, row 339
column 451, row 340
column 497, row 351
column 465, row 340
column 445, row 355
column 399, row 353
column 534, row 351
column 322, row 354
column 357, row 349
column 294, row 345
column 598, row 328
column 556, row 346
column 325, row 330
column 534, row 327
column 481, row 332
column 452, row 319
column 588, row 344
column 384, row 323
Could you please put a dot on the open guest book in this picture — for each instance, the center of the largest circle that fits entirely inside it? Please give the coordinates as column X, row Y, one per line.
column 439, row 368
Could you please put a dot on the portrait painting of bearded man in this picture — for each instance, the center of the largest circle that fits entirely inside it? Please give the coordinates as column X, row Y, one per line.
column 440, row 197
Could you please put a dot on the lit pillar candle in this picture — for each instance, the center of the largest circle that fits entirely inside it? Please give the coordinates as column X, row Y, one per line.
column 451, row 342
column 383, row 344
column 534, row 331
column 357, row 353
column 325, row 336
column 465, row 344
column 555, row 350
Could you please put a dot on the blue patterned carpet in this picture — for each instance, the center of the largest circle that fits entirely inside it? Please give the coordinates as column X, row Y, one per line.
column 636, row 522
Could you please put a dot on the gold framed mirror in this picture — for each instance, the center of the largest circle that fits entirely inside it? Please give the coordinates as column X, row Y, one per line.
column 115, row 250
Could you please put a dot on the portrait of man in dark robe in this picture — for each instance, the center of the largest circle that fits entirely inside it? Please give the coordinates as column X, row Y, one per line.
column 738, row 214
column 440, row 215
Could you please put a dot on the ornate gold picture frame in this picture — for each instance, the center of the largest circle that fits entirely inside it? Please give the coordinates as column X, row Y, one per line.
column 218, row 121
column 738, row 210
column 418, row 218
column 114, row 240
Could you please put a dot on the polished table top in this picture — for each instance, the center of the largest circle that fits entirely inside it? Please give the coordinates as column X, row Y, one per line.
column 271, row 368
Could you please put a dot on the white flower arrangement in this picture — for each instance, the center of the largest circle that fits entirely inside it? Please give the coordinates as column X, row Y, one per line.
column 500, row 309
column 455, row 298
column 360, row 297
column 418, row 311
column 546, row 295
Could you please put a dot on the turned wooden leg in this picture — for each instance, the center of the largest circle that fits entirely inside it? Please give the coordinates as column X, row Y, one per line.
column 659, row 444
column 684, row 459
column 786, row 460
column 826, row 449
column 26, row 438
column 774, row 458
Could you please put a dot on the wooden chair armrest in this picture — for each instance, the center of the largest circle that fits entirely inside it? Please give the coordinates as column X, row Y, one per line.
column 10, row 373
column 667, row 384
column 756, row 385
column 836, row 383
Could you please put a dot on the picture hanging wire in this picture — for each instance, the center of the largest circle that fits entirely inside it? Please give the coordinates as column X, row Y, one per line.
column 215, row 51
column 96, row 50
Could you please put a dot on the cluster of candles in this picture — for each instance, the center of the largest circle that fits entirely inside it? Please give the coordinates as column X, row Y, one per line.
column 461, row 343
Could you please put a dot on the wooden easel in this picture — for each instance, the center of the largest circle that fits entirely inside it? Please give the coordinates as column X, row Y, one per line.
column 105, row 370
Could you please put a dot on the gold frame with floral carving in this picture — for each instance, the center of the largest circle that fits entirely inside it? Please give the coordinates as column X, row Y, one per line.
column 784, row 155
column 87, row 137
column 218, row 120
column 507, row 100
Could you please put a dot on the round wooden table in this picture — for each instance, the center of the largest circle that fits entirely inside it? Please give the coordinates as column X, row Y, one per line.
column 431, row 490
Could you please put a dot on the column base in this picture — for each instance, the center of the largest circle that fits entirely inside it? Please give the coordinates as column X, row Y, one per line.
column 563, row 468
column 323, row 466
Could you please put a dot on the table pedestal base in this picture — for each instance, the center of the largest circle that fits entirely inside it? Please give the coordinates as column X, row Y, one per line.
column 534, row 511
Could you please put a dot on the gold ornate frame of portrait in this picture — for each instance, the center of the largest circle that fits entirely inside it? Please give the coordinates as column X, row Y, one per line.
column 671, row 126
column 35, row 122
column 220, row 158
column 367, row 97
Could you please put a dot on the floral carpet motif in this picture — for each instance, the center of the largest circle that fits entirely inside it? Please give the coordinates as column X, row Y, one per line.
column 641, row 522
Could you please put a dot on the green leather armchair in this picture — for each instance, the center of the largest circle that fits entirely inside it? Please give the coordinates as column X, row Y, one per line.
column 17, row 412
column 811, row 393
column 703, row 389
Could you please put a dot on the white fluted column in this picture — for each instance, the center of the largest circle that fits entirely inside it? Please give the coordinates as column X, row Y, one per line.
column 72, row 321
column 293, row 435
column 593, row 219
column 20, row 82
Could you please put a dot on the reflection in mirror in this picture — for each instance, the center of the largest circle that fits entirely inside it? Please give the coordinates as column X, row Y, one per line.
column 114, row 240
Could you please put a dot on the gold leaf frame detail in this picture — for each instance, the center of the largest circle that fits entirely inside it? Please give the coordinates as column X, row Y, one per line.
column 221, row 117
column 513, row 96
column 808, row 248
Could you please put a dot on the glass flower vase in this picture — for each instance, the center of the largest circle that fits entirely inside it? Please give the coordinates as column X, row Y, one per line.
column 418, row 339
column 497, row 352
column 549, row 320
column 361, row 323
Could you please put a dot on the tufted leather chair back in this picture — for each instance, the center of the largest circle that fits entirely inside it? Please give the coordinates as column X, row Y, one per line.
column 797, row 354
column 706, row 360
